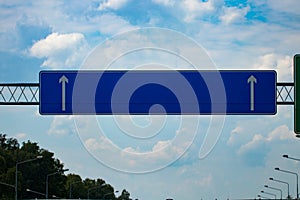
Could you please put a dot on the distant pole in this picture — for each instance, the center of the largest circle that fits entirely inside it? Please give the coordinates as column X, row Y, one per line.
column 269, row 193
column 266, row 186
column 47, row 177
column 290, row 173
column 16, row 173
column 288, row 185
column 98, row 186
column 297, row 159
column 70, row 192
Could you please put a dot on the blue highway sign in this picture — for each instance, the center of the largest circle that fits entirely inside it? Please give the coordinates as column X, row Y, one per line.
column 173, row 92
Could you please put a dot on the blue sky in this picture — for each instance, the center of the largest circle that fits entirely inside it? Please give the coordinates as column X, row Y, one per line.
column 245, row 34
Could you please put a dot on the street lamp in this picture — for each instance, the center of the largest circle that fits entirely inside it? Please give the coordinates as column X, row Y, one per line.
column 98, row 186
column 262, row 197
column 266, row 186
column 9, row 185
column 28, row 190
column 287, row 156
column 288, row 186
column 290, row 173
column 70, row 193
column 268, row 193
column 16, row 175
column 47, row 177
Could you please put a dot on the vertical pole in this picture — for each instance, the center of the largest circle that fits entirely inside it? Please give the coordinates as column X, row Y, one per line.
column 70, row 192
column 297, row 188
column 288, row 189
column 16, row 183
column 47, row 187
column 297, row 94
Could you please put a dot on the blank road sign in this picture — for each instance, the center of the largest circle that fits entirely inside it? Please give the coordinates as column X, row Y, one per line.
column 297, row 94
column 171, row 92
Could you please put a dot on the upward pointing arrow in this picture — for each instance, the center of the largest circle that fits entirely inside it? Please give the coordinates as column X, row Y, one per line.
column 63, row 80
column 252, row 80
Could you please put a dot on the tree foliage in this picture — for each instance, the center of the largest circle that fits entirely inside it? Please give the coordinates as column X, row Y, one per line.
column 32, row 175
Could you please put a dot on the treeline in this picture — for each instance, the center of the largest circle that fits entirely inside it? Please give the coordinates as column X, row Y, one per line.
column 36, row 167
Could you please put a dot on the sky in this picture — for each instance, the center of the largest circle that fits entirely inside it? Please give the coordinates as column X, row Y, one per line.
column 157, row 157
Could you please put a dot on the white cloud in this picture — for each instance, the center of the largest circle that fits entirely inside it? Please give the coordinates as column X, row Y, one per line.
column 237, row 130
column 21, row 136
column 113, row 24
column 278, row 134
column 195, row 8
column 256, row 141
column 94, row 144
column 234, row 14
column 283, row 64
column 60, row 50
column 164, row 2
column 112, row 4
column 62, row 125
column 161, row 145
column 281, row 133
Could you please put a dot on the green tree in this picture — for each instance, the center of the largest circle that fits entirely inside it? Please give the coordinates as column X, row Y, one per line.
column 75, row 186
column 33, row 175
column 125, row 195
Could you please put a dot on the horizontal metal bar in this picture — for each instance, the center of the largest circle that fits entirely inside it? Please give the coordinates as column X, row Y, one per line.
column 19, row 103
column 20, row 84
column 285, row 84
column 285, row 103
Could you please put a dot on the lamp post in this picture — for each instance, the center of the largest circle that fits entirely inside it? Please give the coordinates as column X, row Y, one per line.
column 28, row 190
column 266, row 186
column 287, row 156
column 268, row 193
column 70, row 192
column 47, row 177
column 9, row 185
column 279, row 181
column 290, row 173
column 99, row 186
column 16, row 175
column 262, row 197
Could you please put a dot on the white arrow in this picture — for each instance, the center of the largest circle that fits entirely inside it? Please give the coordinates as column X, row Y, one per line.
column 252, row 80
column 63, row 80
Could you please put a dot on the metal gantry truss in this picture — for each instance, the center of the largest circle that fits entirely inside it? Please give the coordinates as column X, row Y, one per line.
column 19, row 94
column 285, row 93
column 28, row 93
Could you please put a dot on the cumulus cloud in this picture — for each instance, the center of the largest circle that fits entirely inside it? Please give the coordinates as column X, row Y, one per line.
column 113, row 24
column 21, row 136
column 234, row 14
column 62, row 125
column 256, row 141
column 235, row 131
column 195, row 8
column 283, row 64
column 255, row 151
column 118, row 151
column 97, row 144
column 280, row 133
column 60, row 50
column 112, row 4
